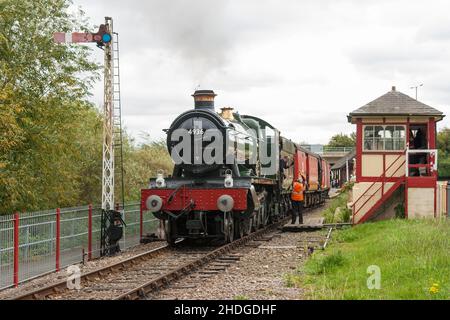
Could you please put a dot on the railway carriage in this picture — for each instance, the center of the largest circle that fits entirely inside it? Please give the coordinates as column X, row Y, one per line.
column 233, row 174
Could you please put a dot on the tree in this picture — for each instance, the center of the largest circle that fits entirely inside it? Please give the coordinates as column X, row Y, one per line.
column 342, row 140
column 443, row 144
column 143, row 162
column 50, row 135
column 43, row 105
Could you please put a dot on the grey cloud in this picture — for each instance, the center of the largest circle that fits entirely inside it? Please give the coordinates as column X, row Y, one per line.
column 168, row 47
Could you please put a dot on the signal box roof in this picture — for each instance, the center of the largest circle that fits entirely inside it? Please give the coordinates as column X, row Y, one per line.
column 395, row 103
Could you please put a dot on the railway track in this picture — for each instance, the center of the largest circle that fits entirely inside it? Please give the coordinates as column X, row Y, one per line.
column 136, row 277
column 140, row 276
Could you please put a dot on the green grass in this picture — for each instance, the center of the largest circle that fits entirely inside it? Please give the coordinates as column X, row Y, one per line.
column 413, row 255
column 338, row 202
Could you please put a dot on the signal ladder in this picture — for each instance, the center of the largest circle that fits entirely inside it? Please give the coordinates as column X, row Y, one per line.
column 117, row 122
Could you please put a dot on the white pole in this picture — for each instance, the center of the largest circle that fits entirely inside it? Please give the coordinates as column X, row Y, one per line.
column 346, row 170
column 108, row 126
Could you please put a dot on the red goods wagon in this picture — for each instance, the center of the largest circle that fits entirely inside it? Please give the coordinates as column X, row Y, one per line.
column 313, row 173
column 301, row 168
column 325, row 175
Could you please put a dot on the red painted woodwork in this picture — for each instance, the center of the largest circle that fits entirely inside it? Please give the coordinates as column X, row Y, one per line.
column 383, row 198
column 381, row 179
column 422, row 182
column 432, row 134
column 359, row 147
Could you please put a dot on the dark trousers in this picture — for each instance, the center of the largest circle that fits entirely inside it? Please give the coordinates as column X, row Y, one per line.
column 297, row 211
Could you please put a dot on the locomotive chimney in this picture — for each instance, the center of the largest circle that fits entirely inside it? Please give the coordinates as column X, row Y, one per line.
column 227, row 113
column 204, row 99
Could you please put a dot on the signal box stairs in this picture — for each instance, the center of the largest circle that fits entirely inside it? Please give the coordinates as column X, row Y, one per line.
column 378, row 193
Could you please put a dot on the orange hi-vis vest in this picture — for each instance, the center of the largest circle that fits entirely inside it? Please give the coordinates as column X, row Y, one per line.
column 297, row 192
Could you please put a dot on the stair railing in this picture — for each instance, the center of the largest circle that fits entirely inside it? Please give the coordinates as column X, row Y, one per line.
column 378, row 180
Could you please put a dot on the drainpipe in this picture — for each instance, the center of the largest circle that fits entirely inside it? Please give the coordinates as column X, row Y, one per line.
column 448, row 199
column 346, row 170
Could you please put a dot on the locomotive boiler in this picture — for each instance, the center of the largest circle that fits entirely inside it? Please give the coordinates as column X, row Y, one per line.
column 233, row 174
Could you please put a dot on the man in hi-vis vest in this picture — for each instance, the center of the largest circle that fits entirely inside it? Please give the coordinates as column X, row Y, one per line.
column 297, row 198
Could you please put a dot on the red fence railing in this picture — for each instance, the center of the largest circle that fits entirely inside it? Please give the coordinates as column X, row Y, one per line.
column 33, row 244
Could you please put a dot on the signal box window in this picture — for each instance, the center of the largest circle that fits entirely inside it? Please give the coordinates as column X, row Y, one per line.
column 389, row 138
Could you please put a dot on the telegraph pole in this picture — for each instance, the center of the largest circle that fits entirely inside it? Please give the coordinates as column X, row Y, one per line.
column 417, row 87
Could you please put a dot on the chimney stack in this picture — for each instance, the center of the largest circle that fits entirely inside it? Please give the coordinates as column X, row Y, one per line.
column 204, row 99
column 393, row 88
column 227, row 113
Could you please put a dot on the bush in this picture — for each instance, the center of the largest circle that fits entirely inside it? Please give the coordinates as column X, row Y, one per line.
column 444, row 167
column 400, row 211
column 347, row 187
column 339, row 202
column 346, row 215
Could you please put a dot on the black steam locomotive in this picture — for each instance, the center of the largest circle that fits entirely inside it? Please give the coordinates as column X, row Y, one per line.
column 233, row 174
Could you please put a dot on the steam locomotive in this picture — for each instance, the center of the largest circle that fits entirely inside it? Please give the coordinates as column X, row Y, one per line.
column 233, row 174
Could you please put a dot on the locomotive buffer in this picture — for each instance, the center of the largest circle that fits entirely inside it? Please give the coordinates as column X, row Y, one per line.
column 112, row 218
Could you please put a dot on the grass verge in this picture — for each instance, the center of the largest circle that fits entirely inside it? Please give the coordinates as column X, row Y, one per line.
column 331, row 215
column 413, row 257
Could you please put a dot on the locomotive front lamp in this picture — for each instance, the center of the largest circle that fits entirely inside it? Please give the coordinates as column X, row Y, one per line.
column 160, row 181
column 154, row 203
column 225, row 203
column 228, row 182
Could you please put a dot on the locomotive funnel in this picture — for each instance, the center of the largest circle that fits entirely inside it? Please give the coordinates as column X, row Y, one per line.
column 204, row 99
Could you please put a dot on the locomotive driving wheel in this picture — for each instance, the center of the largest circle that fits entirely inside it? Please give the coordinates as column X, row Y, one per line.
column 242, row 227
column 228, row 227
column 170, row 229
column 248, row 226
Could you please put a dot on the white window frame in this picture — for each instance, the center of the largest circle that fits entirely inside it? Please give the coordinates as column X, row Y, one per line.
column 383, row 137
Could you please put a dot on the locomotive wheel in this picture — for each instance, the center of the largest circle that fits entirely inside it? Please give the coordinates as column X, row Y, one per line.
column 266, row 214
column 247, row 226
column 262, row 216
column 170, row 229
column 228, row 228
column 239, row 226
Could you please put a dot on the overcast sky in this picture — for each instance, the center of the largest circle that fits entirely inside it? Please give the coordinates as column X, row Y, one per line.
column 300, row 65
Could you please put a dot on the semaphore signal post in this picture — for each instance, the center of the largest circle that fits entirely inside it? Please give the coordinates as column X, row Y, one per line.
column 111, row 231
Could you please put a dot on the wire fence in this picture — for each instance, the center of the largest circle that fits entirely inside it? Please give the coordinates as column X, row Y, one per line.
column 33, row 244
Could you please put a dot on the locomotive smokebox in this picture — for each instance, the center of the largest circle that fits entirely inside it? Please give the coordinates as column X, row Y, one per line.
column 204, row 99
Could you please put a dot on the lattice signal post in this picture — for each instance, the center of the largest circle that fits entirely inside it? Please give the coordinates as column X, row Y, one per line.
column 112, row 125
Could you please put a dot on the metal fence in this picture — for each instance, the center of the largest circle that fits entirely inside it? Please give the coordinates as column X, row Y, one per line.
column 33, row 244
column 321, row 149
